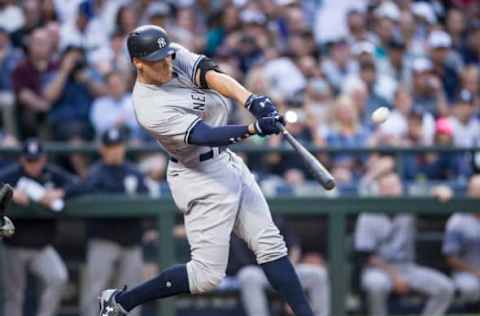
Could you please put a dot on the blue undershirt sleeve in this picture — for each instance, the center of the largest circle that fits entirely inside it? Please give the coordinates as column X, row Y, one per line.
column 204, row 135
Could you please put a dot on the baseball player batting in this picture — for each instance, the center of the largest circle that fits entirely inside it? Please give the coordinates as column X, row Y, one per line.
column 180, row 99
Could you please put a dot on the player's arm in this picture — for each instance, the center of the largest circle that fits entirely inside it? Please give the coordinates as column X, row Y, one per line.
column 209, row 76
column 203, row 134
column 453, row 245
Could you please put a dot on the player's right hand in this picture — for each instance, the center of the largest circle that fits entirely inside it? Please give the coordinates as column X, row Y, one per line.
column 268, row 125
column 261, row 106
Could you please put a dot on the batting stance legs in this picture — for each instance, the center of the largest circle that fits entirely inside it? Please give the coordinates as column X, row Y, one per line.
column 219, row 197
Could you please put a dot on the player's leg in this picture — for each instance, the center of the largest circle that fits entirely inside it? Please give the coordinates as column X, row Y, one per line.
column 315, row 280
column 378, row 286
column 14, row 277
column 252, row 289
column 255, row 226
column 130, row 270
column 51, row 270
column 436, row 285
column 210, row 205
column 101, row 256
column 468, row 285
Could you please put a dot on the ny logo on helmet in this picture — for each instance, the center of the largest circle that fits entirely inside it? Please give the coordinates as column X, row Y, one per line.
column 161, row 42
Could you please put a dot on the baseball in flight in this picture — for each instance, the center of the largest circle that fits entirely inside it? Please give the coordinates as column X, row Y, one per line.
column 380, row 115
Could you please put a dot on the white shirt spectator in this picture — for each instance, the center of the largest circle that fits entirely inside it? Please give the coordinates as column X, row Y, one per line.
column 91, row 40
column 66, row 9
column 331, row 19
column 397, row 126
column 11, row 18
column 107, row 112
column 283, row 77
column 465, row 135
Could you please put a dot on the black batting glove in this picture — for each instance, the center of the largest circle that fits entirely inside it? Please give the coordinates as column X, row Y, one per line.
column 261, row 106
column 267, row 125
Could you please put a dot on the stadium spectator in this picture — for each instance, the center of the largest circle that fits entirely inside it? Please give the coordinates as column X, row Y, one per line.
column 115, row 109
column 112, row 57
column 427, row 88
column 346, row 132
column 112, row 242
column 338, row 64
column 357, row 27
column 30, row 249
column 28, row 79
column 83, row 31
column 71, row 91
column 465, row 123
column 125, row 20
column 395, row 129
column 439, row 44
column 437, row 166
column 253, row 282
column 32, row 20
column 471, row 52
column 11, row 17
column 460, row 248
column 9, row 58
column 385, row 247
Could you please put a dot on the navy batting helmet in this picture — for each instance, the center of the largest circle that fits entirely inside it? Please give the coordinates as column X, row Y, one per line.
column 149, row 42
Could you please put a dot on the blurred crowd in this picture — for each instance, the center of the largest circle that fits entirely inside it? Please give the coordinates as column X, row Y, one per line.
column 66, row 76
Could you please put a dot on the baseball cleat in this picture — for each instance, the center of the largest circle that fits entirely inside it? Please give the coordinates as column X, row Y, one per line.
column 108, row 305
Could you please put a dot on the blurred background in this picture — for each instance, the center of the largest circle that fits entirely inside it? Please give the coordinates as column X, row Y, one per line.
column 68, row 133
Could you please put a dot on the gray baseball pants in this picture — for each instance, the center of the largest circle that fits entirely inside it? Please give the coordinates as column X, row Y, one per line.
column 45, row 264
column 217, row 197
column 314, row 280
column 107, row 261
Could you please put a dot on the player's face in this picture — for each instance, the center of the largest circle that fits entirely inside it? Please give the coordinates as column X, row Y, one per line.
column 155, row 72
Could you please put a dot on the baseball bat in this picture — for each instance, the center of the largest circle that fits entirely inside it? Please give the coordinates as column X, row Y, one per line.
column 318, row 170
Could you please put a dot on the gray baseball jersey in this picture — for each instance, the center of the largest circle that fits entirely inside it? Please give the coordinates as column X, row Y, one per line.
column 218, row 195
column 390, row 238
column 168, row 112
column 462, row 238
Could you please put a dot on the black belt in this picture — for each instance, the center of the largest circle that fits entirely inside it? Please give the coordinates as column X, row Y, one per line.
column 203, row 157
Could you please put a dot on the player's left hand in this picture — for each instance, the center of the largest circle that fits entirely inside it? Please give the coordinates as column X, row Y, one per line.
column 268, row 125
column 261, row 106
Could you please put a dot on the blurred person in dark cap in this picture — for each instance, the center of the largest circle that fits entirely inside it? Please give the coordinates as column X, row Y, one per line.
column 338, row 64
column 113, row 249
column 465, row 122
column 31, row 248
column 427, row 88
column 357, row 26
column 395, row 66
column 443, row 60
column 471, row 52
